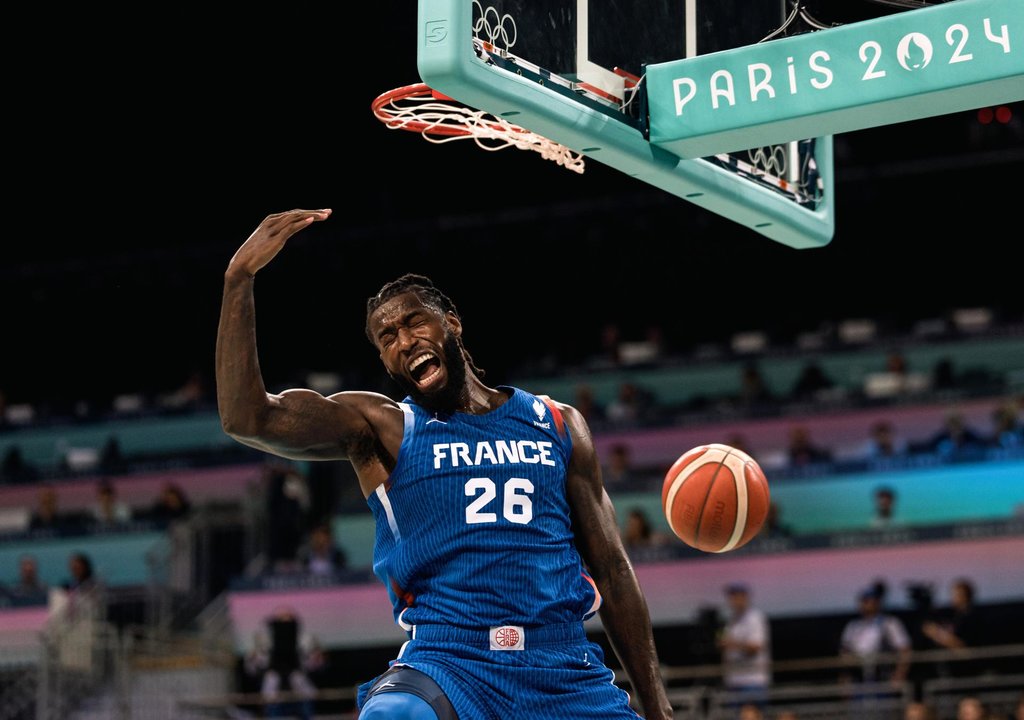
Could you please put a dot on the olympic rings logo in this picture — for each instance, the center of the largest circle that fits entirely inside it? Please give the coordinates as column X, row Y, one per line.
column 771, row 159
column 499, row 30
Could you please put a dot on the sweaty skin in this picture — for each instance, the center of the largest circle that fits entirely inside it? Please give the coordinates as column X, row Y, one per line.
column 366, row 429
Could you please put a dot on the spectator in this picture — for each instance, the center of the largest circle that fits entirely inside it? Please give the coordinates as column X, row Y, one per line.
column 875, row 633
column 959, row 627
column 751, row 712
column 638, row 532
column 919, row 711
column 618, row 471
column 955, row 437
column 1008, row 432
column 883, row 443
column 896, row 363
column 895, row 379
column 29, row 584
column 83, row 589
column 971, row 708
column 885, row 508
column 46, row 515
column 611, row 351
column 739, row 442
column 629, row 407
column 189, row 396
column 80, row 569
column 588, row 406
column 112, row 461
column 754, row 392
column 811, row 383
column 786, row 715
column 284, row 657
column 773, row 525
column 171, row 505
column 802, row 451
column 108, row 510
column 320, row 556
column 654, row 343
column 1018, row 713
column 15, row 469
column 746, row 649
column 287, row 506
column 943, row 377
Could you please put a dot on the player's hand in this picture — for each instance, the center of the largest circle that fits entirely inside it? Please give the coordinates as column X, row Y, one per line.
column 267, row 240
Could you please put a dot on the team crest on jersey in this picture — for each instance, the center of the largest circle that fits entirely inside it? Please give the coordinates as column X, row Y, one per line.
column 507, row 637
column 540, row 410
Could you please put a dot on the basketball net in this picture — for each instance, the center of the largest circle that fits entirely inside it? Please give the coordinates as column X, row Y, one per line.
column 440, row 119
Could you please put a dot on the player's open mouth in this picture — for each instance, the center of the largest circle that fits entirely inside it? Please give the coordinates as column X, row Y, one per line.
column 425, row 369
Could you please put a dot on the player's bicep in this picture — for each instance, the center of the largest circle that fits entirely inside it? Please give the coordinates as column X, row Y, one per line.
column 305, row 425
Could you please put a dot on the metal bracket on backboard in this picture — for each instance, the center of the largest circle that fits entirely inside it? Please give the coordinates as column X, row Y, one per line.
column 447, row 62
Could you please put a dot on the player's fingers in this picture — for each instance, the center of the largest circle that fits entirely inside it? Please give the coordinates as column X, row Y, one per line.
column 299, row 218
column 289, row 223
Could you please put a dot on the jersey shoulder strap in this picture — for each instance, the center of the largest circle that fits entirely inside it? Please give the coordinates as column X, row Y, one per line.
column 556, row 414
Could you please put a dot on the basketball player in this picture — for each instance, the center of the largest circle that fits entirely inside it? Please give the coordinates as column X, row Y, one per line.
column 495, row 537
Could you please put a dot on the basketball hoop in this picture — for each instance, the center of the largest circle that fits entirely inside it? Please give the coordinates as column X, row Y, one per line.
column 440, row 119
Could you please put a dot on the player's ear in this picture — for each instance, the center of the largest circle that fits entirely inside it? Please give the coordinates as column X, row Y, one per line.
column 454, row 323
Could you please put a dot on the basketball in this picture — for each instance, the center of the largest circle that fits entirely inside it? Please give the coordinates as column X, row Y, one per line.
column 715, row 498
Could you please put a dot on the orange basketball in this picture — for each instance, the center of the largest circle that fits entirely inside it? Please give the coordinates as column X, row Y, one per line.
column 715, row 498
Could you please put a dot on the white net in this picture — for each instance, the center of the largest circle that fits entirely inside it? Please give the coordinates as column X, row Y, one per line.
column 440, row 121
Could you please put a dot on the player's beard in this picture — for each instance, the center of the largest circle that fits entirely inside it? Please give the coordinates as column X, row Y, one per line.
column 446, row 399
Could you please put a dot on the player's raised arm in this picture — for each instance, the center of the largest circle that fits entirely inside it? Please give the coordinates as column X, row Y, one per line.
column 299, row 424
column 624, row 612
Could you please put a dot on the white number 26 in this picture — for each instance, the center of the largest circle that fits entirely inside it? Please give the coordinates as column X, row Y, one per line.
column 517, row 507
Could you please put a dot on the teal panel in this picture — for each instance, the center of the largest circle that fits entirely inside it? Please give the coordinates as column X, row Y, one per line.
column 925, row 496
column 44, row 445
column 118, row 559
column 926, row 62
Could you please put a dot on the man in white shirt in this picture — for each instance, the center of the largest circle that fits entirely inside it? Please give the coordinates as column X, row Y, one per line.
column 875, row 633
column 746, row 650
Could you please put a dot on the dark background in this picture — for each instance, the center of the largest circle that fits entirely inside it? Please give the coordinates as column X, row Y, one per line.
column 139, row 164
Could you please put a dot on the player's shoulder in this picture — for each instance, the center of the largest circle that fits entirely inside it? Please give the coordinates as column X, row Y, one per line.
column 371, row 405
column 572, row 418
column 364, row 398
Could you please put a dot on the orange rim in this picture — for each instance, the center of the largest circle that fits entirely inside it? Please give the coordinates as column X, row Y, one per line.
column 422, row 90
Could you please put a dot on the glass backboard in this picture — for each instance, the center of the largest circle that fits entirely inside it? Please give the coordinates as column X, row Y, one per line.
column 572, row 70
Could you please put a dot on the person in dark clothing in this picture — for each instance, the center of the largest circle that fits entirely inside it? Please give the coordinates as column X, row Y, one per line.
column 15, row 469
column 284, row 657
column 960, row 626
column 171, row 505
column 287, row 503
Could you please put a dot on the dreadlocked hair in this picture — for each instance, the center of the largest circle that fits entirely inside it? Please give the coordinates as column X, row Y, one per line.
column 428, row 293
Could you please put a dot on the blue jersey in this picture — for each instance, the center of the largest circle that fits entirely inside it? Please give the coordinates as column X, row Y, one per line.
column 473, row 526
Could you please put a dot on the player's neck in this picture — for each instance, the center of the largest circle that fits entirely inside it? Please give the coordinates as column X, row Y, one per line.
column 479, row 399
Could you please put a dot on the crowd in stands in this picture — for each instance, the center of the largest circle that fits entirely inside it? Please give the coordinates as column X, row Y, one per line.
column 954, row 439
column 877, row 646
column 299, row 538
column 636, row 406
column 299, row 541
column 967, row 708
column 106, row 512
column 31, row 589
column 633, row 406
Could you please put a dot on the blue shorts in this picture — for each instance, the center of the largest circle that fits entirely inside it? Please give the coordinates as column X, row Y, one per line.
column 557, row 675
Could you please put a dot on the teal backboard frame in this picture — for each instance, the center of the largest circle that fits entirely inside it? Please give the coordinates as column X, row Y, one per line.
column 447, row 63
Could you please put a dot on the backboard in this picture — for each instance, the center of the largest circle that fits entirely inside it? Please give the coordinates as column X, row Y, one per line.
column 572, row 70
